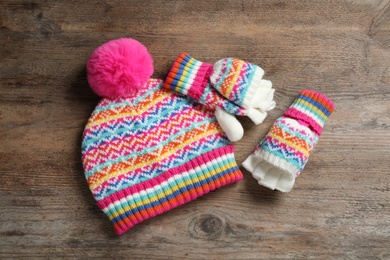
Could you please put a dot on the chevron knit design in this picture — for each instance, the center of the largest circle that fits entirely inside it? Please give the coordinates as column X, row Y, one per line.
column 236, row 80
column 190, row 77
column 288, row 144
column 285, row 150
column 151, row 152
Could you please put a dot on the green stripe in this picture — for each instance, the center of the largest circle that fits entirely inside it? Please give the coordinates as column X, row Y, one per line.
column 166, row 188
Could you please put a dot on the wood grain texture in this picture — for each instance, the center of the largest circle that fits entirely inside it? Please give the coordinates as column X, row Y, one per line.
column 339, row 207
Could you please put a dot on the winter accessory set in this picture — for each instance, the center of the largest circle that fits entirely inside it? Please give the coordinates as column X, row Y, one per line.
column 150, row 146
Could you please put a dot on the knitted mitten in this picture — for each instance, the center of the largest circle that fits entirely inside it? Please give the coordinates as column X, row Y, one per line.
column 284, row 152
column 241, row 82
column 190, row 77
column 147, row 149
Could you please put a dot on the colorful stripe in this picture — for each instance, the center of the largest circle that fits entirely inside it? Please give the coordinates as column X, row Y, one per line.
column 157, row 143
column 213, row 99
column 288, row 143
column 188, row 76
column 236, row 80
column 313, row 108
column 175, row 187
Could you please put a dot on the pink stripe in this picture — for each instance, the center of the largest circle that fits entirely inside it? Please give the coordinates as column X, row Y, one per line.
column 286, row 147
column 201, row 80
column 163, row 177
column 320, row 98
column 172, row 157
column 238, row 84
column 114, row 144
column 298, row 115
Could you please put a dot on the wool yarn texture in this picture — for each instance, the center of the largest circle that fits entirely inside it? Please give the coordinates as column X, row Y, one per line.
column 148, row 150
column 230, row 87
column 283, row 153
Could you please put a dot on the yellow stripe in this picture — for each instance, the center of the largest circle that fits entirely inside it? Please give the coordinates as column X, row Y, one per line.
column 312, row 107
column 289, row 143
column 234, row 80
column 140, row 165
column 183, row 77
column 166, row 193
column 120, row 115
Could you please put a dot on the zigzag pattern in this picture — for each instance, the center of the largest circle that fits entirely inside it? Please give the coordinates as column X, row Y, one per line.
column 128, row 141
column 142, row 98
column 213, row 99
column 118, row 128
column 152, row 170
column 128, row 112
column 243, row 82
column 151, row 153
column 159, row 135
column 289, row 142
column 233, row 78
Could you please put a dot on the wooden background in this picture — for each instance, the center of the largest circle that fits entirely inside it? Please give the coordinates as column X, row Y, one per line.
column 339, row 207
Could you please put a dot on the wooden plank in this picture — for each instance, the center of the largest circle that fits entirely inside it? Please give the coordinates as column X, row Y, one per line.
column 339, row 207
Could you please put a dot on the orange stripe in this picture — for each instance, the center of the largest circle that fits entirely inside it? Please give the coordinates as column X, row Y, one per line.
column 127, row 109
column 294, row 139
column 164, row 129
column 148, row 157
column 228, row 81
column 171, row 203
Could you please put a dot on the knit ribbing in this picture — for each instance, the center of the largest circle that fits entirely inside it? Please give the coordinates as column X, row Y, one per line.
column 313, row 108
column 145, row 154
column 171, row 189
column 188, row 76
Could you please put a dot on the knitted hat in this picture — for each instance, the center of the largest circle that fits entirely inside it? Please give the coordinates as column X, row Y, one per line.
column 284, row 151
column 147, row 149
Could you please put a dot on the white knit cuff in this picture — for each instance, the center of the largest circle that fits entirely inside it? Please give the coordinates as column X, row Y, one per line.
column 256, row 115
column 263, row 96
column 255, row 85
column 270, row 171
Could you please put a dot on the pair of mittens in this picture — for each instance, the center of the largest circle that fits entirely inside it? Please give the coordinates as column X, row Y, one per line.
column 283, row 153
column 231, row 87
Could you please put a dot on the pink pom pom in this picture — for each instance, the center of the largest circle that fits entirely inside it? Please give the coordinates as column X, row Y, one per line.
column 119, row 68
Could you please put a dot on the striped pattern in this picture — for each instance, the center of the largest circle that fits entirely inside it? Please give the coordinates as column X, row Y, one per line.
column 188, row 76
column 173, row 188
column 287, row 145
column 213, row 99
column 236, row 80
column 156, row 144
column 293, row 136
column 312, row 108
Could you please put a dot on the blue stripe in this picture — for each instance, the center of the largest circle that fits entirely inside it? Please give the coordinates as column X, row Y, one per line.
column 99, row 135
column 172, row 195
column 147, row 149
column 315, row 103
column 132, row 179
column 222, row 77
column 247, row 82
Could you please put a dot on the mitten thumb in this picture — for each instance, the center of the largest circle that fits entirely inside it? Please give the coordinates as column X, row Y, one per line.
column 229, row 124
